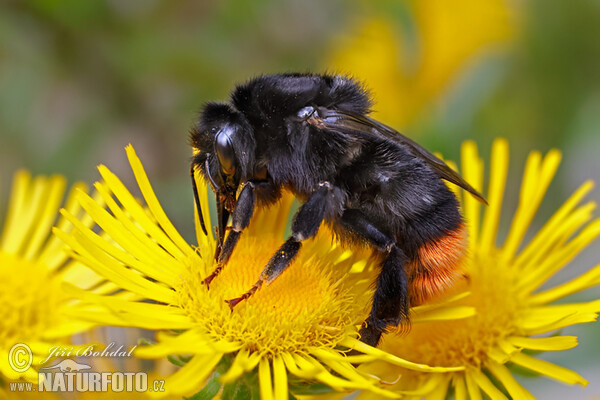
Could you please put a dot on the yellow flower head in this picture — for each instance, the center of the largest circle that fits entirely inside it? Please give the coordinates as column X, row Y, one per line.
column 33, row 266
column 301, row 324
column 513, row 315
column 409, row 67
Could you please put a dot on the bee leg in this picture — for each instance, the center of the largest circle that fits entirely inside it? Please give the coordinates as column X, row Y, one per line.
column 390, row 301
column 306, row 224
column 242, row 214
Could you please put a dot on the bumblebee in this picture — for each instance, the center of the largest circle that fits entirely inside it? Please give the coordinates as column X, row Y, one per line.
column 312, row 135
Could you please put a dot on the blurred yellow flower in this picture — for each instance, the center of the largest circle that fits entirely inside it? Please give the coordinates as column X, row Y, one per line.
column 407, row 74
column 513, row 315
column 155, row 371
column 33, row 266
column 300, row 325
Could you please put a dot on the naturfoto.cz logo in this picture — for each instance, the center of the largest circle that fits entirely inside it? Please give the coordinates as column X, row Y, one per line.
column 71, row 376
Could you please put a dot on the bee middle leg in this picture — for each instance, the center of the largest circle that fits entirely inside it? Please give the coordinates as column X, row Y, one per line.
column 306, row 224
column 390, row 301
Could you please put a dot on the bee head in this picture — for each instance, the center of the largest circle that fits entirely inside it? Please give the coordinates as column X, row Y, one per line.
column 224, row 145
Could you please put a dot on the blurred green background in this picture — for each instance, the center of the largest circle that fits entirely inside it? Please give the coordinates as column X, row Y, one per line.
column 79, row 80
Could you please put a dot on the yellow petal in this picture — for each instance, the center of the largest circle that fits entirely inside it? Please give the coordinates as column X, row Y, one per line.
column 432, row 381
column 16, row 217
column 52, row 254
column 460, row 388
column 505, row 377
column 72, row 205
column 559, row 258
column 432, row 306
column 556, row 222
column 536, row 323
column 264, row 380
column 192, row 376
column 554, row 343
column 267, row 222
column 548, row 369
column 486, row 385
column 343, row 367
column 65, row 329
column 537, row 177
column 193, row 336
column 172, row 317
column 244, row 361
column 152, row 201
column 498, row 171
column 308, row 366
column 444, row 313
column 45, row 216
column 354, row 380
column 472, row 387
column 306, row 373
column 535, row 263
column 104, row 316
column 498, row 355
column 190, row 342
column 7, row 371
column 83, row 277
column 201, row 238
column 137, row 212
column 145, row 248
column 440, row 391
column 280, row 378
column 472, row 167
column 364, row 348
column 127, row 250
column 106, row 266
column 582, row 282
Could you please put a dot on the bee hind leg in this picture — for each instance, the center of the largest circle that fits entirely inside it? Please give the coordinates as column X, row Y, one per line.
column 390, row 301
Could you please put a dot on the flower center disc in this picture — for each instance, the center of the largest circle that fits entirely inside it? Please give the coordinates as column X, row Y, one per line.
column 29, row 299
column 305, row 306
column 467, row 341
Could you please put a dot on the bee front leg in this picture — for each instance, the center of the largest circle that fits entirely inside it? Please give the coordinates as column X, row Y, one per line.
column 240, row 219
column 324, row 201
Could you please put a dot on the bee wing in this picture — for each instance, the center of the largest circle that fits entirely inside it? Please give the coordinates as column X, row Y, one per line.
column 358, row 125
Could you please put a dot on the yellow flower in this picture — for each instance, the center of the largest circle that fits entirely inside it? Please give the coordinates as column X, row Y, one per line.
column 33, row 266
column 515, row 314
column 301, row 324
column 407, row 74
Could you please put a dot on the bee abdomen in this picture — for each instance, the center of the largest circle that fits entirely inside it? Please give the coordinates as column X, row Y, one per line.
column 438, row 264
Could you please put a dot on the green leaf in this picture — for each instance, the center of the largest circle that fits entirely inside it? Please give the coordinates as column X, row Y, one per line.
column 304, row 388
column 245, row 388
column 208, row 392
column 237, row 391
column 145, row 342
column 178, row 360
column 224, row 364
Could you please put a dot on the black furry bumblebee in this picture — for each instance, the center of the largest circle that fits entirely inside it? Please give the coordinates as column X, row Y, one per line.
column 311, row 134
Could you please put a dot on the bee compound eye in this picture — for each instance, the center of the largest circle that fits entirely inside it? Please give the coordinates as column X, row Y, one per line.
column 224, row 150
column 306, row 112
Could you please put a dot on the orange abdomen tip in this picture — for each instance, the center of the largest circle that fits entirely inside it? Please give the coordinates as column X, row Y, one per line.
column 437, row 267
